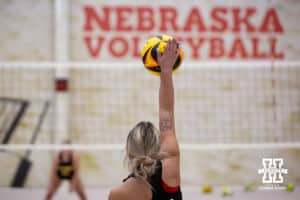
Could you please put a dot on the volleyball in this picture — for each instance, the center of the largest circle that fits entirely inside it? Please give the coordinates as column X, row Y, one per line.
column 149, row 53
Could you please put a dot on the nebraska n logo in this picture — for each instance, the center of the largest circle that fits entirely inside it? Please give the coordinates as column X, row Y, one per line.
column 272, row 170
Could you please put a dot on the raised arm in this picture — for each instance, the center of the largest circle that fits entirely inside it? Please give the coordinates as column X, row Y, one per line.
column 171, row 165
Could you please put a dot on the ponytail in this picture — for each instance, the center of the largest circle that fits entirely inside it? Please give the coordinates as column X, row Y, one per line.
column 143, row 166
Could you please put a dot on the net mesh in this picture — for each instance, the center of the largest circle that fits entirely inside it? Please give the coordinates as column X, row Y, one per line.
column 33, row 85
column 223, row 103
column 226, row 104
column 11, row 111
column 232, row 104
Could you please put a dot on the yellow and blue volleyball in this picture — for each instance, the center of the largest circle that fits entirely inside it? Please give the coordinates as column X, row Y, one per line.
column 149, row 53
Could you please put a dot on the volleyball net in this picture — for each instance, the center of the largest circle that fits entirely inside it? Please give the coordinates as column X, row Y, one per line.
column 216, row 103
column 228, row 115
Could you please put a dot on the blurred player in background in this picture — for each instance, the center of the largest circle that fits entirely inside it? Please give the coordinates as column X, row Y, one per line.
column 65, row 167
column 153, row 156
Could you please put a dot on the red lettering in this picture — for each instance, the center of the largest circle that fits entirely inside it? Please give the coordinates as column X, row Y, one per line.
column 237, row 48
column 271, row 22
column 145, row 19
column 92, row 16
column 195, row 45
column 218, row 16
column 255, row 49
column 122, row 14
column 93, row 51
column 134, row 19
column 239, row 20
column 136, row 49
column 274, row 53
column 216, row 48
column 168, row 17
column 118, row 47
column 194, row 19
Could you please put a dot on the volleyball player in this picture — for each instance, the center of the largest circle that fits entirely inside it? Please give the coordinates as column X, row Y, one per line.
column 153, row 155
column 65, row 166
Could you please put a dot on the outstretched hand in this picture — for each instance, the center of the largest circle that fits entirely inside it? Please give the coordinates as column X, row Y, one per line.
column 167, row 59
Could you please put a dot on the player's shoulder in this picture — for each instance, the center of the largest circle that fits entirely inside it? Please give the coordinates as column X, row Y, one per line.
column 132, row 189
column 118, row 193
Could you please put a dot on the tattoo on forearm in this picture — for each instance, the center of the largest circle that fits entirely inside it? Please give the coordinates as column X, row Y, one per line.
column 165, row 124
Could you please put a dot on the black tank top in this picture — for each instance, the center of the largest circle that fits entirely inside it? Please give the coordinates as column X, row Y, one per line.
column 65, row 169
column 159, row 192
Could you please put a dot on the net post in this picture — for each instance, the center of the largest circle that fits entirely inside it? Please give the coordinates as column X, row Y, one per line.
column 61, row 52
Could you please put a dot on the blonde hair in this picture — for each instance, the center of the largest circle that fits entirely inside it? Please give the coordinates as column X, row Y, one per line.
column 143, row 150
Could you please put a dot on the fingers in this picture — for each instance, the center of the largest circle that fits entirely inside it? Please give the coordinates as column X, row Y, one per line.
column 177, row 52
column 159, row 54
column 168, row 48
column 172, row 45
column 170, row 51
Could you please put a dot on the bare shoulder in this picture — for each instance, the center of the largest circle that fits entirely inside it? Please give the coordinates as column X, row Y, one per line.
column 118, row 193
column 132, row 189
